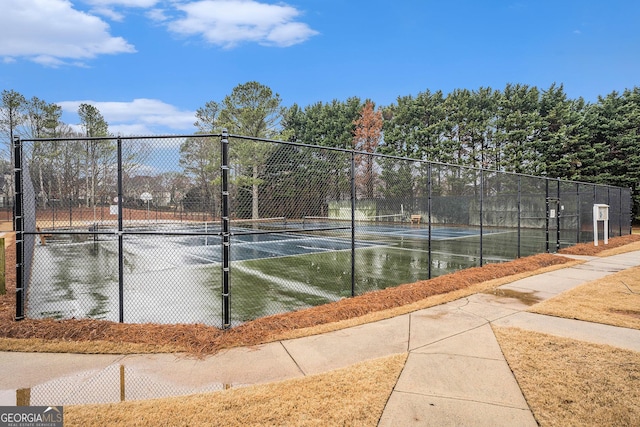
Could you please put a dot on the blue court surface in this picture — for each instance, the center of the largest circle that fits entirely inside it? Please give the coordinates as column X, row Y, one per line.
column 255, row 243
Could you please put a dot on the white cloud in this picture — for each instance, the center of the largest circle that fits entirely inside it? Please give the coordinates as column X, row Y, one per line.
column 107, row 8
column 138, row 117
column 108, row 13
column 158, row 15
column 230, row 22
column 52, row 31
column 124, row 3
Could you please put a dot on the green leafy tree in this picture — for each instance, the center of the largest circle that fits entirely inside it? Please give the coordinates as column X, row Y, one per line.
column 200, row 156
column 200, row 159
column 94, row 125
column 253, row 110
column 328, row 125
column 12, row 115
column 414, row 127
column 43, row 120
column 517, row 129
column 560, row 133
column 208, row 118
column 613, row 124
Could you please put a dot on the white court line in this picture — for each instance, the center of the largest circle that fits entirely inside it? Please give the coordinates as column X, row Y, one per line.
column 290, row 284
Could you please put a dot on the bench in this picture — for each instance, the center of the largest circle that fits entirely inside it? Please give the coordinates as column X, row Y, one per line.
column 416, row 219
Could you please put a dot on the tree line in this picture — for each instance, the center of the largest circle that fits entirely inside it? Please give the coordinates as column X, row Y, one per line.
column 79, row 170
column 519, row 128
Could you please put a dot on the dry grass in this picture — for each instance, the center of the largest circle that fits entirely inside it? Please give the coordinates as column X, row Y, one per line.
column 566, row 382
column 613, row 300
column 353, row 396
column 573, row 383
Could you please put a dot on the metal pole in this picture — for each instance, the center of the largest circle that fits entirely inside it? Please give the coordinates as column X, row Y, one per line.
column 607, row 223
column 558, row 209
column 546, row 220
column 429, row 194
column 578, row 218
column 519, row 214
column 630, row 210
column 353, row 224
column 226, row 228
column 18, row 217
column 620, row 210
column 481, row 212
column 120, row 236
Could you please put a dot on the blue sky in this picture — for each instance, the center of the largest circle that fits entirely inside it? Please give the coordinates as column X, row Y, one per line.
column 149, row 64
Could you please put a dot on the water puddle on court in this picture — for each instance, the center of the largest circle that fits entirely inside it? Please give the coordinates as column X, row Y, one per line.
column 527, row 298
column 115, row 383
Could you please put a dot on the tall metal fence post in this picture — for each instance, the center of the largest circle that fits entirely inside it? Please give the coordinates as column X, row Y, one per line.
column 620, row 210
column 120, row 236
column 578, row 218
column 429, row 201
column 630, row 210
column 353, row 223
column 519, row 214
column 609, row 231
column 18, row 215
column 558, row 210
column 548, row 212
column 226, row 228
column 481, row 214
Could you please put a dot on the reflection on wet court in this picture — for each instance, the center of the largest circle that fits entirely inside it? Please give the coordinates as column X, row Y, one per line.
column 278, row 268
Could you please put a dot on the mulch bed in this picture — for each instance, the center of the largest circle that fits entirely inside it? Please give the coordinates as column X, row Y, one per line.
column 201, row 339
column 590, row 249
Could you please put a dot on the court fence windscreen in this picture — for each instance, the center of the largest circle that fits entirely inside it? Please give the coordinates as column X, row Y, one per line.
column 223, row 229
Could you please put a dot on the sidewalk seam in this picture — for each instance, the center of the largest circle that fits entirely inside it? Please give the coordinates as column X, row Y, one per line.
column 293, row 359
column 460, row 399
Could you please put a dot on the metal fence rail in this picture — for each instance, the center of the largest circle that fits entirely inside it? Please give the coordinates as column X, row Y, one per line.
column 222, row 229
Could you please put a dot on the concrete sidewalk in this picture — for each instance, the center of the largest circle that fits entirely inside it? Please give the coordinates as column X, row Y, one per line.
column 455, row 373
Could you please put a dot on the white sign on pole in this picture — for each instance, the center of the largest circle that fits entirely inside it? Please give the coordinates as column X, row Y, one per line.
column 600, row 213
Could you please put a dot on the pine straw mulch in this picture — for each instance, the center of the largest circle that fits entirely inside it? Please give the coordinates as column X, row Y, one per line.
column 198, row 339
column 590, row 249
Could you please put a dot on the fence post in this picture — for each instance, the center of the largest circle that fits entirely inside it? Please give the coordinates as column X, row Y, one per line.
column 3, row 270
column 558, row 210
column 18, row 206
column 630, row 210
column 353, row 223
column 429, row 201
column 578, row 212
column 519, row 214
column 546, row 220
column 226, row 229
column 120, row 237
column 481, row 214
column 620, row 211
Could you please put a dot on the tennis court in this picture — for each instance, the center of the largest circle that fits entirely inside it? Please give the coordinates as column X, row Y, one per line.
column 338, row 223
column 276, row 266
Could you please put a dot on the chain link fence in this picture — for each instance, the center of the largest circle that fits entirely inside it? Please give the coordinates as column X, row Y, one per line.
column 220, row 229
